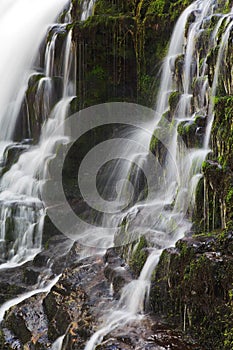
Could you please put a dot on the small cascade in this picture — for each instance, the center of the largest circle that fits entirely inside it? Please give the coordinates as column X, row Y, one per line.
column 22, row 212
column 58, row 343
column 222, row 52
column 87, row 9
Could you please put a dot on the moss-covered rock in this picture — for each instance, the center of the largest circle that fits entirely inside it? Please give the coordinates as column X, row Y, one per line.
column 139, row 255
column 191, row 287
column 218, row 170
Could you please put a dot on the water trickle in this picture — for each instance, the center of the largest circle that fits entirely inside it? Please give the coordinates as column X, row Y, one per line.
column 222, row 52
column 41, row 289
column 87, row 9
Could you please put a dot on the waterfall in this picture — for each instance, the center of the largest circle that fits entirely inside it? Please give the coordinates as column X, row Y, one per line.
column 162, row 216
column 19, row 47
column 21, row 211
column 165, row 219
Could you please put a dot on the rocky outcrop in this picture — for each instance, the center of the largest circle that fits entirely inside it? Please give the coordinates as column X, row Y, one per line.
column 75, row 307
column 192, row 288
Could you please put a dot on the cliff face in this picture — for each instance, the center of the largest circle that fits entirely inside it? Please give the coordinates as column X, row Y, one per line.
column 120, row 49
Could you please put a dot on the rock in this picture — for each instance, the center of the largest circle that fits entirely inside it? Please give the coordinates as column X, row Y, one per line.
column 146, row 334
column 12, row 154
column 75, row 306
column 191, row 288
column 26, row 320
column 116, row 271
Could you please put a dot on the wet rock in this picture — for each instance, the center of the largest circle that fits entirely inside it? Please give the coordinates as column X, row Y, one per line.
column 77, row 302
column 146, row 334
column 57, row 253
column 26, row 323
column 191, row 133
column 62, row 305
column 31, row 276
column 116, row 271
column 39, row 320
column 191, row 288
column 11, row 283
column 76, row 306
column 12, row 153
column 49, row 230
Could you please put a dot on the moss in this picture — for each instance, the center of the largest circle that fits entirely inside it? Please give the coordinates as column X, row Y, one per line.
column 139, row 256
column 127, row 40
column 188, row 133
column 198, row 214
column 173, row 100
column 218, row 169
column 191, row 287
column 165, row 9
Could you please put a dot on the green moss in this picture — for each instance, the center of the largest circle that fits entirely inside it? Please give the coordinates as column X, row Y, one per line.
column 193, row 288
column 157, row 7
column 165, row 9
column 188, row 133
column 128, row 41
column 139, row 256
column 173, row 100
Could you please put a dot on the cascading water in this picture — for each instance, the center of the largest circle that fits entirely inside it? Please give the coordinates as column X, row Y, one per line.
column 16, row 61
column 22, row 211
column 163, row 218
column 21, row 219
column 221, row 53
column 87, row 8
column 182, row 167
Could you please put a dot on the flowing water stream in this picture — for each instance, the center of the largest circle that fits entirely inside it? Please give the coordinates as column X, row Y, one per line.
column 164, row 216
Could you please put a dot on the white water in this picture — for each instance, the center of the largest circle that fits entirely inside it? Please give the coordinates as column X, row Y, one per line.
column 175, row 49
column 222, row 52
column 18, row 49
column 87, row 9
column 57, row 345
column 20, row 186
